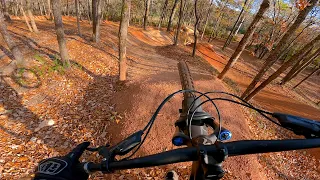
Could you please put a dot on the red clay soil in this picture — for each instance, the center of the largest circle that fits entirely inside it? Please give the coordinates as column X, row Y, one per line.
column 273, row 98
column 87, row 104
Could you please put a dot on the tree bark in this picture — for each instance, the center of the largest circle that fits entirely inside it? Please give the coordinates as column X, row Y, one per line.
column 33, row 23
column 50, row 10
column 206, row 21
column 215, row 29
column 26, row 18
column 78, row 19
column 231, row 34
column 314, row 71
column 276, row 52
column 89, row 14
column 67, row 8
column 286, row 49
column 287, row 64
column 172, row 15
column 239, row 27
column 195, row 28
column 11, row 44
column 40, row 8
column 176, row 38
column 146, row 14
column 163, row 13
column 56, row 7
column 296, row 66
column 5, row 11
column 123, row 32
column 96, row 20
column 303, row 67
column 244, row 41
column 44, row 8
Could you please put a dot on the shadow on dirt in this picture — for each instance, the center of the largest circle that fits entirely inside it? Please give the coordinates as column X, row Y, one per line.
column 17, row 112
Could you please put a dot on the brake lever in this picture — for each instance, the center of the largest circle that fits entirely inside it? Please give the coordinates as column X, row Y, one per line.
column 125, row 146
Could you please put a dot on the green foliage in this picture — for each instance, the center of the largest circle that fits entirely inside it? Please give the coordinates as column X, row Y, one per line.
column 39, row 58
column 57, row 66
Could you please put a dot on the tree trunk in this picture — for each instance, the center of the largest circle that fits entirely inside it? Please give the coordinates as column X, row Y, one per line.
column 56, row 7
column 176, row 38
column 67, row 8
column 286, row 49
column 275, row 53
column 231, row 34
column 163, row 13
column 89, row 14
column 221, row 14
column 16, row 8
column 40, row 8
column 33, row 23
column 287, row 64
column 206, row 21
column 96, row 20
column 297, row 66
column 242, row 44
column 123, row 32
column 26, row 18
column 50, row 10
column 195, row 28
column 314, row 71
column 44, row 8
column 146, row 14
column 172, row 15
column 11, row 44
column 239, row 27
column 303, row 67
column 78, row 19
column 5, row 11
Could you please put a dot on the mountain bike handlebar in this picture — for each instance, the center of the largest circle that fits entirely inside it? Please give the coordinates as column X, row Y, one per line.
column 234, row 148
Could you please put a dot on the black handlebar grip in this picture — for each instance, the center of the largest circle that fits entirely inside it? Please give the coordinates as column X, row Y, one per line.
column 88, row 167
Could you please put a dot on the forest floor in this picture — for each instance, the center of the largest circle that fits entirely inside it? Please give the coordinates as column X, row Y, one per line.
column 86, row 103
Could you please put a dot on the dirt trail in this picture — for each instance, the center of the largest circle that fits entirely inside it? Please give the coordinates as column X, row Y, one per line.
column 152, row 76
column 149, row 88
column 273, row 98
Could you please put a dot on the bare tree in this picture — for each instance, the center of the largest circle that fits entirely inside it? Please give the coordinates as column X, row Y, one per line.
column 146, row 14
column 301, row 67
column 234, row 30
column 26, row 18
column 276, row 52
column 56, row 8
column 284, row 66
column 96, row 20
column 172, row 15
column 217, row 22
column 244, row 41
column 5, row 11
column 50, row 10
column 123, row 32
column 163, row 13
column 44, row 8
column 78, row 19
column 308, row 76
column 33, row 23
column 67, row 8
column 176, row 38
column 11, row 44
column 299, row 63
column 206, row 20
column 196, row 24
